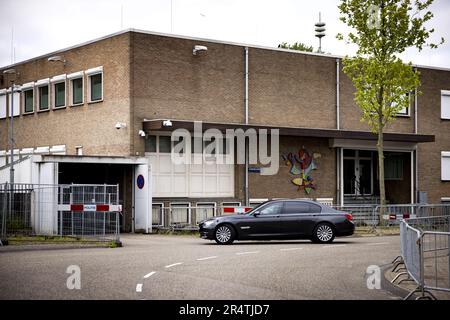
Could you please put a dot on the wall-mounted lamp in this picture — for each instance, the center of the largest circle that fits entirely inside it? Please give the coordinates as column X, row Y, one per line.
column 57, row 59
column 167, row 123
column 142, row 133
column 120, row 125
column 198, row 49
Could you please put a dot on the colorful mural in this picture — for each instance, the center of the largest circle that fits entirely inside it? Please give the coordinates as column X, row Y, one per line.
column 301, row 165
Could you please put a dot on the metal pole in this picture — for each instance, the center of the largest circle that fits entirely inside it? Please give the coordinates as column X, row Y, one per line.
column 246, row 191
column 11, row 135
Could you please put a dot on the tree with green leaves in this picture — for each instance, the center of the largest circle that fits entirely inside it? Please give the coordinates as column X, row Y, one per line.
column 382, row 30
column 296, row 46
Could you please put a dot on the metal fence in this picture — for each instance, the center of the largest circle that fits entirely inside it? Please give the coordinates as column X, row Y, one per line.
column 82, row 211
column 184, row 216
column 425, row 253
column 369, row 215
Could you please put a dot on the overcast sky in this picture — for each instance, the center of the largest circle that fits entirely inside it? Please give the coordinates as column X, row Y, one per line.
column 43, row 26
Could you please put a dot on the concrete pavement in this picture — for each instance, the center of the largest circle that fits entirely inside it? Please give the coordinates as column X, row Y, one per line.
column 186, row 267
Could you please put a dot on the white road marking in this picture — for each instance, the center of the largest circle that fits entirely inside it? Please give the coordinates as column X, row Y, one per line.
column 377, row 243
column 206, row 258
column 139, row 287
column 247, row 252
column 148, row 275
column 173, row 265
column 334, row 245
column 290, row 249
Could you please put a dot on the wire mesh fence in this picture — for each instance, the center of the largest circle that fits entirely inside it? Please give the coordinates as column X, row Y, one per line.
column 82, row 211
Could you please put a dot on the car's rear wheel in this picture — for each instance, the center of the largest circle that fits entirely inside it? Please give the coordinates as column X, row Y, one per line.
column 323, row 233
column 224, row 234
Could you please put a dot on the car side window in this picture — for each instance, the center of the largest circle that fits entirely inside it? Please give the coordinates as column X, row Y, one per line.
column 272, row 208
column 314, row 208
column 292, row 207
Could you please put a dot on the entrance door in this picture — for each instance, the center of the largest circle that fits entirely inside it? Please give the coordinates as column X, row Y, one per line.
column 358, row 172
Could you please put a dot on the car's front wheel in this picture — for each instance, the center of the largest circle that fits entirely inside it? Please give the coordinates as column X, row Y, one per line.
column 323, row 233
column 224, row 234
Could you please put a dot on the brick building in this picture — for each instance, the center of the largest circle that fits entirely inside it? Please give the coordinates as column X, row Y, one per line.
column 85, row 113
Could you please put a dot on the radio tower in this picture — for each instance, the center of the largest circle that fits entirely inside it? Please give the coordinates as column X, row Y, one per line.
column 320, row 31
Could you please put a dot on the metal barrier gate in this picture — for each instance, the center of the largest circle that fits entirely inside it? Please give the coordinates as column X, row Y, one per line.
column 78, row 210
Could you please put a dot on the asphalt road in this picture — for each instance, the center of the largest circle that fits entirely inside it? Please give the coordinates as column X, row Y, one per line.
column 186, row 267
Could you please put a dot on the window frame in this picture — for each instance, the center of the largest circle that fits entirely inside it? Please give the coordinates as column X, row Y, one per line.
column 3, row 108
column 161, row 206
column 26, row 88
column 445, row 115
column 56, row 81
column 90, row 73
column 446, row 177
column 72, row 77
column 186, row 205
column 408, row 109
column 39, row 85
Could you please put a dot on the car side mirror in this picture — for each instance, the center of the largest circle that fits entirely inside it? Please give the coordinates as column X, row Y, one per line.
column 256, row 213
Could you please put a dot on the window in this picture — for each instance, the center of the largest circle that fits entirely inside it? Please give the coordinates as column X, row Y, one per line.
column 28, row 100
column 404, row 111
column 150, row 143
column 76, row 88
column 77, row 91
column 445, row 166
column 272, row 208
column 43, row 98
column 180, row 213
column 445, row 104
column 95, row 84
column 157, row 214
column 164, row 144
column 3, row 104
column 292, row 207
column 393, row 167
column 205, row 211
column 60, row 94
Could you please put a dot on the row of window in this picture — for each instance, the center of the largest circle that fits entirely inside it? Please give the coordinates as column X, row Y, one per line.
column 163, row 144
column 56, row 92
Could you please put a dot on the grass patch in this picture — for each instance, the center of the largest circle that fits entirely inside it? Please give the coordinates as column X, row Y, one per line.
column 177, row 232
column 27, row 240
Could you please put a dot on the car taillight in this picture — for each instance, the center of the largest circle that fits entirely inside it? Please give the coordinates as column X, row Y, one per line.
column 348, row 216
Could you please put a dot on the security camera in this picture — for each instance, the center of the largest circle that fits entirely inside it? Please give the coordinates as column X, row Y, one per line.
column 198, row 48
column 142, row 133
column 167, row 123
column 120, row 125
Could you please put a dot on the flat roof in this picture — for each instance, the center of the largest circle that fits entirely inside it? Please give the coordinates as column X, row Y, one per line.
column 158, row 125
column 196, row 39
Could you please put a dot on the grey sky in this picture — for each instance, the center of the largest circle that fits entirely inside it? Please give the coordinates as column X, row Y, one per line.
column 43, row 26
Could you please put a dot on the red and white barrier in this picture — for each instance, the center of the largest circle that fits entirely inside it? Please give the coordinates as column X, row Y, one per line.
column 236, row 210
column 90, row 207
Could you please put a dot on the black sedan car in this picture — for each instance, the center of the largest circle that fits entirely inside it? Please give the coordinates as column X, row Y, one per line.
column 280, row 219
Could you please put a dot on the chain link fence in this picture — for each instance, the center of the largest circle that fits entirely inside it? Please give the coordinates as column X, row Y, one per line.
column 89, row 212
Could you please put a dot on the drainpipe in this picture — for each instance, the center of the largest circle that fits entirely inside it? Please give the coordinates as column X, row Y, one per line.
column 416, row 131
column 338, row 150
column 337, row 94
column 246, row 122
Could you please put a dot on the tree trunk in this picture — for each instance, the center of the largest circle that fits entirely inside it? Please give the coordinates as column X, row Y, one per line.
column 380, row 149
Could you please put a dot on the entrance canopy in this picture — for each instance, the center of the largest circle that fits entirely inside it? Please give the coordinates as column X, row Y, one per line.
column 170, row 125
